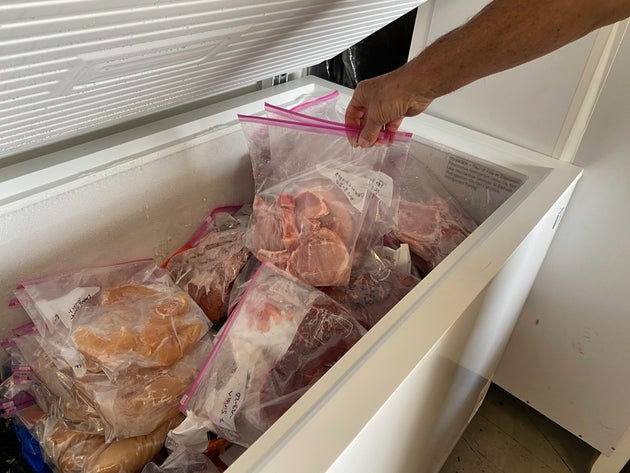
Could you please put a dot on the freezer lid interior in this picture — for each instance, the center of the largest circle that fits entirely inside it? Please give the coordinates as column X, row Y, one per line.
column 68, row 68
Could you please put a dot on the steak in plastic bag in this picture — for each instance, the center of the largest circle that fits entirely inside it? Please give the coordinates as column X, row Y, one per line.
column 207, row 265
column 280, row 339
column 317, row 200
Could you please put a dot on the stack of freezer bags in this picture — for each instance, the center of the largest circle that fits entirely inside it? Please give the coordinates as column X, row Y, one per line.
column 207, row 265
column 320, row 202
column 115, row 348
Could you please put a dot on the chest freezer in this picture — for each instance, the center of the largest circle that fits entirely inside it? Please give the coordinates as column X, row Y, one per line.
column 401, row 397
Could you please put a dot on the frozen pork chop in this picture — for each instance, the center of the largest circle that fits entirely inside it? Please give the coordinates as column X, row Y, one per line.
column 432, row 229
column 321, row 259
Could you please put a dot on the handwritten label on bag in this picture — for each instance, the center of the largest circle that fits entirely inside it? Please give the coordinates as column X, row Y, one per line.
column 66, row 306
column 231, row 398
column 355, row 187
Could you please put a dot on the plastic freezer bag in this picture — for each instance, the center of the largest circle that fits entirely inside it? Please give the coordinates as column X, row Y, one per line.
column 183, row 460
column 152, row 395
column 311, row 208
column 281, row 338
column 115, row 317
column 383, row 213
column 430, row 220
column 208, row 263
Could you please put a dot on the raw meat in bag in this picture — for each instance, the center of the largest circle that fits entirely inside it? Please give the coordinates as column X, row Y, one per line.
column 281, row 338
column 115, row 317
column 152, row 395
column 430, row 220
column 309, row 210
column 210, row 261
column 381, row 215
column 373, row 290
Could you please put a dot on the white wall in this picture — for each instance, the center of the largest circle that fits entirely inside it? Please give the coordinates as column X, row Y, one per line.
column 526, row 105
column 569, row 356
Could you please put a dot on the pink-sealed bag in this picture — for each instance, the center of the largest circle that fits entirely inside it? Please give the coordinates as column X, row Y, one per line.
column 281, row 338
column 152, row 395
column 207, row 265
column 319, row 197
column 114, row 317
column 322, row 106
column 384, row 213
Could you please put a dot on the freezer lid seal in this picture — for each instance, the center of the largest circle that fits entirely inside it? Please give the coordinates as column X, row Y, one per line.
column 68, row 68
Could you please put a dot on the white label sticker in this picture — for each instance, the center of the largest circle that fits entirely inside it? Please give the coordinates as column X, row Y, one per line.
column 355, row 187
column 382, row 186
column 66, row 306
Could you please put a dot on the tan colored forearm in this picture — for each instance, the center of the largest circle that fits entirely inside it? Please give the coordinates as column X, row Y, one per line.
column 504, row 34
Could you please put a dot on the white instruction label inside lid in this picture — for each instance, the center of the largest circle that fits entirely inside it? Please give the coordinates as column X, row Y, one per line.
column 66, row 306
column 355, row 187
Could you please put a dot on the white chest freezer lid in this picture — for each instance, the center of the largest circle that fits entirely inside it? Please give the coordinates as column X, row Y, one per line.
column 68, row 67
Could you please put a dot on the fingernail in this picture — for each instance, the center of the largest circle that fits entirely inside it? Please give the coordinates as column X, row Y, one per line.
column 363, row 143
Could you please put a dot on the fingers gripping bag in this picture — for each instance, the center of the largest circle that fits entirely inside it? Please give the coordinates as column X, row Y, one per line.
column 207, row 265
column 309, row 212
column 115, row 317
column 281, row 338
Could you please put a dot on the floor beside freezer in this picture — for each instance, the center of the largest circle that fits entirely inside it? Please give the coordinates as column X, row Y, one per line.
column 508, row 436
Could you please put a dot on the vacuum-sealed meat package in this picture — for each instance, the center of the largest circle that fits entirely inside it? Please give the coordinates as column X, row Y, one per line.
column 129, row 315
column 280, row 339
column 207, row 265
column 317, row 203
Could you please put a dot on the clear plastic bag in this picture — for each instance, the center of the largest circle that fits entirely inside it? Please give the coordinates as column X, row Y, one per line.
column 208, row 263
column 374, row 288
column 430, row 220
column 313, row 205
column 183, row 460
column 113, row 318
column 382, row 214
column 281, row 338
column 152, row 395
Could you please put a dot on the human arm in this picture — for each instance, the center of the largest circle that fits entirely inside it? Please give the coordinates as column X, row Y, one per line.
column 502, row 35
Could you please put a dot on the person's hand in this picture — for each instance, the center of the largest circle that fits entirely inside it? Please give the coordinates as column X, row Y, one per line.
column 382, row 103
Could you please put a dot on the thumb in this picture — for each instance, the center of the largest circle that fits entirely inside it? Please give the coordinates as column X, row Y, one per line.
column 370, row 133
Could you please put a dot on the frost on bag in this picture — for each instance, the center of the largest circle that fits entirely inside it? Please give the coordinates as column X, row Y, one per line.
column 430, row 219
column 115, row 317
column 208, row 264
column 281, row 338
column 310, row 210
